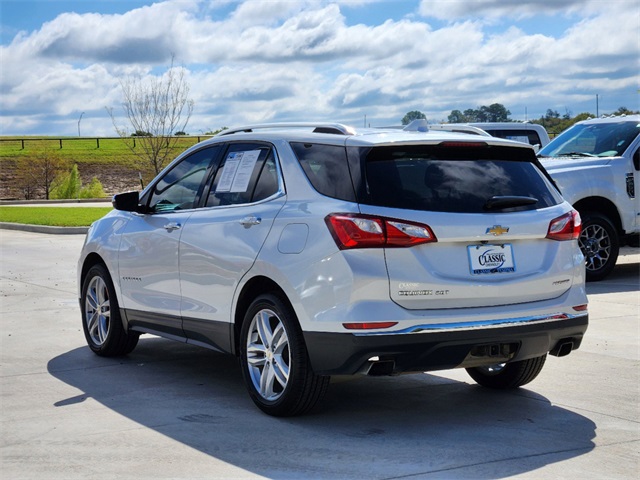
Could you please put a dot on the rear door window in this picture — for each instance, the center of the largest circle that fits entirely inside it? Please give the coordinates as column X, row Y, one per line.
column 247, row 173
column 460, row 180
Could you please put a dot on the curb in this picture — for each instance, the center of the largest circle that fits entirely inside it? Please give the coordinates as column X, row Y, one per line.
column 44, row 229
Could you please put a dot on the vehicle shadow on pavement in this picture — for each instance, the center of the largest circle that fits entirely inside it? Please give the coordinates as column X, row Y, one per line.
column 423, row 425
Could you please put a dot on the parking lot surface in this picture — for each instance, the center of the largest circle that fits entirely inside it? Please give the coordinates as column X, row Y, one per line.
column 173, row 411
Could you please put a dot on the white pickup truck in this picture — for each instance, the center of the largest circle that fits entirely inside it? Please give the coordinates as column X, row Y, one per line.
column 596, row 165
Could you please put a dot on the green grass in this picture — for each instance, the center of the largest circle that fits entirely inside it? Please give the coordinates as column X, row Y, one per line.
column 53, row 216
column 105, row 151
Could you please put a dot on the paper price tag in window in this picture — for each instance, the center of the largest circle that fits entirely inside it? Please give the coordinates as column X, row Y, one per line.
column 237, row 170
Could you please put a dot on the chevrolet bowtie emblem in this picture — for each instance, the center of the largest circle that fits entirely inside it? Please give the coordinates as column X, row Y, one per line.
column 497, row 230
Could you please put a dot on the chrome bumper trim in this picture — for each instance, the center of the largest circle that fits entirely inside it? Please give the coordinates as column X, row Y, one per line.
column 479, row 325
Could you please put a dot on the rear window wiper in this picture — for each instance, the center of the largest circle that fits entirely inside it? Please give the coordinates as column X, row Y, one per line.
column 499, row 202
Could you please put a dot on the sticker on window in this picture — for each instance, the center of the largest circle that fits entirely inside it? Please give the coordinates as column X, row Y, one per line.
column 237, row 170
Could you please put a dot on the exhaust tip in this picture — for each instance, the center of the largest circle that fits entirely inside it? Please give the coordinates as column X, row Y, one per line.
column 563, row 348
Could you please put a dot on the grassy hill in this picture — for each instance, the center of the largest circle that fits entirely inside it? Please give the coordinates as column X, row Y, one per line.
column 108, row 159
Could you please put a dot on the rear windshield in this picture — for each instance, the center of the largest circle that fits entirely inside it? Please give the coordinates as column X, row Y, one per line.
column 525, row 136
column 460, row 180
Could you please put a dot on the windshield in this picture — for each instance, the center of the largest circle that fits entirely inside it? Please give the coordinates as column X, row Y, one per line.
column 596, row 139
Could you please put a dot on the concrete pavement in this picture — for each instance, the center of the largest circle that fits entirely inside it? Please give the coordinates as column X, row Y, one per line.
column 170, row 410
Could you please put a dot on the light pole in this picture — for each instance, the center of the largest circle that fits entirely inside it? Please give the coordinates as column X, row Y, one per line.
column 79, row 122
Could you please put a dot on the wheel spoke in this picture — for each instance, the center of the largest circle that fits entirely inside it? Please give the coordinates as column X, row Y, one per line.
column 267, row 381
column 256, row 355
column 281, row 370
column 264, row 328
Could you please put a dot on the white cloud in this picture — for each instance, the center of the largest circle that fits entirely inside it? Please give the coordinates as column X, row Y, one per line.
column 285, row 60
column 514, row 9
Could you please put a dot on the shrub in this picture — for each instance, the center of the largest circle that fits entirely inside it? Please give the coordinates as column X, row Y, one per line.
column 67, row 185
column 93, row 190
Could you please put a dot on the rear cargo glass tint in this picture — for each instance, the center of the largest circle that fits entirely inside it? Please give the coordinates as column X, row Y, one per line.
column 326, row 168
column 460, row 180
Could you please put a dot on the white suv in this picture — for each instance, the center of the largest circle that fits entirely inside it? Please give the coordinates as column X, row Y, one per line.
column 314, row 250
column 596, row 164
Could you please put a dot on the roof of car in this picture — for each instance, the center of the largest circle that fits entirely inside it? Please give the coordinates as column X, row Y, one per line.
column 335, row 133
column 613, row 119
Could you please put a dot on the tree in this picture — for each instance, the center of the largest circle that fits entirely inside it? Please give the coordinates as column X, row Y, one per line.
column 457, row 116
column 67, row 185
column 36, row 174
column 156, row 108
column 495, row 112
column 623, row 111
column 413, row 115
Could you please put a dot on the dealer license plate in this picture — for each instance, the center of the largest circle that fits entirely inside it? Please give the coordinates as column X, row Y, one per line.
column 488, row 259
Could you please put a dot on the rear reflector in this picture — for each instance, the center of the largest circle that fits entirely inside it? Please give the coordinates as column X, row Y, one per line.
column 566, row 227
column 580, row 308
column 366, row 231
column 368, row 325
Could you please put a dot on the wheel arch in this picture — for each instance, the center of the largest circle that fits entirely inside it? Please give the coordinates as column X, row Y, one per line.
column 252, row 289
column 91, row 260
column 603, row 206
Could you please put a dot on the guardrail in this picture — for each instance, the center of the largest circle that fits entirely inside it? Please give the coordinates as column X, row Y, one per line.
column 97, row 139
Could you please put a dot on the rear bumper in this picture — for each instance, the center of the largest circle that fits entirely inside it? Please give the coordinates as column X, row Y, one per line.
column 426, row 350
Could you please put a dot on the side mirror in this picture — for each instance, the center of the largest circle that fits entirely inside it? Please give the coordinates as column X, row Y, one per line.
column 126, row 202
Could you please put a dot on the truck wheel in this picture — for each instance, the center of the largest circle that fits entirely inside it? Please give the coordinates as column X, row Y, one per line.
column 508, row 375
column 600, row 245
column 274, row 360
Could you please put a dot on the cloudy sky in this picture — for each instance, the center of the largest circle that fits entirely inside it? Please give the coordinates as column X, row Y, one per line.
column 349, row 61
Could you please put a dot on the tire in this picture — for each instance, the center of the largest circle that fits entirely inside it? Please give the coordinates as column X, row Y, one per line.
column 505, row 376
column 274, row 360
column 101, row 321
column 600, row 244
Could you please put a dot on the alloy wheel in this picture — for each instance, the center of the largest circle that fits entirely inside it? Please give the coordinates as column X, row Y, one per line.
column 97, row 310
column 268, row 358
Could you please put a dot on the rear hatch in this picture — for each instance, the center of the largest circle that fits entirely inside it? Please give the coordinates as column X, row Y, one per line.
column 489, row 210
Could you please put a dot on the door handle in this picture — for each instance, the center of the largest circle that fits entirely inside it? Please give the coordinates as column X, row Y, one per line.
column 171, row 226
column 250, row 221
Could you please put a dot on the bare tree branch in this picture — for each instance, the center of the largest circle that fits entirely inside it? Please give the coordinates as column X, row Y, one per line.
column 156, row 108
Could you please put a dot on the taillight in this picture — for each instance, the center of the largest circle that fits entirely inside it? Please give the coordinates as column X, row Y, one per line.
column 368, row 231
column 566, row 227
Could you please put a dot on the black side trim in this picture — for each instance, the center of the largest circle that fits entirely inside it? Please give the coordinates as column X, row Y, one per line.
column 205, row 333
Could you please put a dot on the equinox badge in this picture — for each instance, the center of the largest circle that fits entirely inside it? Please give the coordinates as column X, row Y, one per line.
column 497, row 230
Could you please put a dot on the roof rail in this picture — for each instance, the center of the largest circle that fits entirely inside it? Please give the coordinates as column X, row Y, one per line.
column 335, row 128
column 459, row 128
